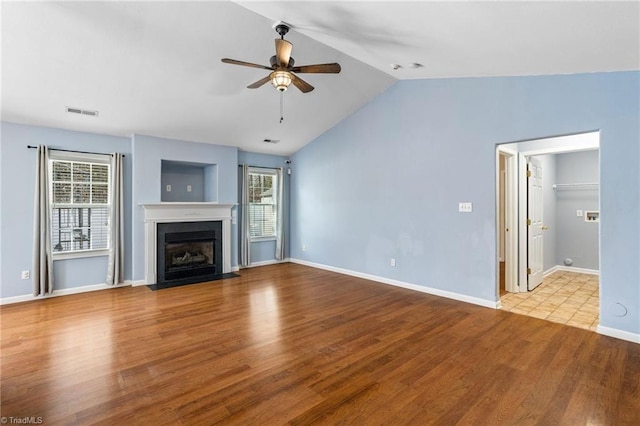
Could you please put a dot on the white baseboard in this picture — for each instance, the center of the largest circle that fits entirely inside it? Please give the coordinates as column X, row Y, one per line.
column 571, row 269
column 62, row 292
column 618, row 334
column 264, row 263
column 429, row 290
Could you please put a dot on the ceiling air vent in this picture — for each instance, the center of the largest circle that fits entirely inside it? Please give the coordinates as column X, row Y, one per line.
column 82, row 111
column 271, row 140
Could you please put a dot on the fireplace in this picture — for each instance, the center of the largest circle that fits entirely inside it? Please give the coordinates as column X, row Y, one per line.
column 188, row 252
column 157, row 215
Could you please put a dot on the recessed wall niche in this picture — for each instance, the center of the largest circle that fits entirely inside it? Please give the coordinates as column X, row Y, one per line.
column 188, row 182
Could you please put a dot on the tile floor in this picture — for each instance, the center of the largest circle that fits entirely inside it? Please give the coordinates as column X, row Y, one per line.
column 563, row 297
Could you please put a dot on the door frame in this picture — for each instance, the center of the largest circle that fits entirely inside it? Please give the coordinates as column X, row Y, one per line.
column 510, row 217
column 517, row 153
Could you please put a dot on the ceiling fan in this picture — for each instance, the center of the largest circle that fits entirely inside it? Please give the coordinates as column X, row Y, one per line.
column 283, row 66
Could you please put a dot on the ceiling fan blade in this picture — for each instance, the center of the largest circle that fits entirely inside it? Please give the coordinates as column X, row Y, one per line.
column 283, row 52
column 259, row 83
column 301, row 84
column 245, row 64
column 332, row 68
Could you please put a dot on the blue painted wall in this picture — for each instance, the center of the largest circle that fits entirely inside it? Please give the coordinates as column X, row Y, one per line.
column 386, row 181
column 142, row 183
column 179, row 176
column 265, row 251
column 17, row 167
column 148, row 153
column 577, row 239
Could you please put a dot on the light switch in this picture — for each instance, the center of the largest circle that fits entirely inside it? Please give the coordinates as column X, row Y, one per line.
column 579, row 213
column 168, row 188
column 465, row 207
column 188, row 188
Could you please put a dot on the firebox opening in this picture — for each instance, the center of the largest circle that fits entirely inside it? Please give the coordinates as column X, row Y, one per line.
column 189, row 252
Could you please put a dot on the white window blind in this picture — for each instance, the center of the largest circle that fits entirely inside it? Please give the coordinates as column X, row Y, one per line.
column 79, row 194
column 262, row 203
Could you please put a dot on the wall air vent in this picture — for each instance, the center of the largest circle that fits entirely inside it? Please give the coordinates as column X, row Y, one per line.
column 271, row 140
column 81, row 111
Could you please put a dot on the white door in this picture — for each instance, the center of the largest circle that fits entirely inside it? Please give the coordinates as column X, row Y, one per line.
column 534, row 223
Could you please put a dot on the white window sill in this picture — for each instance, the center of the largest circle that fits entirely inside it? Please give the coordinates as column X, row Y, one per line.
column 80, row 254
column 261, row 239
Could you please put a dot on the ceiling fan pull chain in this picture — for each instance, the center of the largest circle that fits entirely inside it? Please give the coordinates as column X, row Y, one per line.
column 281, row 107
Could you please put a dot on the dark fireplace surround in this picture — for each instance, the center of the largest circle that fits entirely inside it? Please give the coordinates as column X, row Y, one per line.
column 188, row 252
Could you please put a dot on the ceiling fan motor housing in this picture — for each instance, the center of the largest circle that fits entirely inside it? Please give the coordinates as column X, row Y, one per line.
column 274, row 62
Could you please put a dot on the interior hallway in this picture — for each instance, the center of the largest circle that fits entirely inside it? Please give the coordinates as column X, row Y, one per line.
column 563, row 297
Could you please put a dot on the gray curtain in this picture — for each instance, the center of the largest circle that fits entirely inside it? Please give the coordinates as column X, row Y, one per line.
column 115, row 271
column 280, row 222
column 245, row 243
column 42, row 256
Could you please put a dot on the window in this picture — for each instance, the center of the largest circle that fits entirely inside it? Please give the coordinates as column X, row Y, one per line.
column 79, row 198
column 263, row 211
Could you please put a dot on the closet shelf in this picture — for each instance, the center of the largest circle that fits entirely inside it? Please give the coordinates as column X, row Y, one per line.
column 576, row 186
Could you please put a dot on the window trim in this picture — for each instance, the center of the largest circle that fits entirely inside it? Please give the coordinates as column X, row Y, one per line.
column 79, row 158
column 273, row 172
column 77, row 254
column 260, row 239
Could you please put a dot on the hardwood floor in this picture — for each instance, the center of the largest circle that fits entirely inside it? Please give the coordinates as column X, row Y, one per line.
column 292, row 344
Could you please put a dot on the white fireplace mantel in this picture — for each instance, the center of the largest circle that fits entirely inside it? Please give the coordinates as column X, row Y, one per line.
column 155, row 213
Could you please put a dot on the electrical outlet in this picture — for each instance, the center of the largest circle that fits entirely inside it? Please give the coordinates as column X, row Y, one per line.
column 188, row 188
column 579, row 213
column 465, row 207
column 304, row 247
column 25, row 275
column 393, row 262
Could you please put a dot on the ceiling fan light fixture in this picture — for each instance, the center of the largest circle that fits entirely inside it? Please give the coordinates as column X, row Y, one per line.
column 280, row 80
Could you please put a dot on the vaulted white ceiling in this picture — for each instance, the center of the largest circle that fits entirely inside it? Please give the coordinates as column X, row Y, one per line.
column 154, row 67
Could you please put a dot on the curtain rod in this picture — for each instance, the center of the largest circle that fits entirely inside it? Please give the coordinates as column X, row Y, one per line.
column 70, row 150
column 261, row 167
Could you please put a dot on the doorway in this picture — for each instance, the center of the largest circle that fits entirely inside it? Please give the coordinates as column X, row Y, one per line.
column 570, row 175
